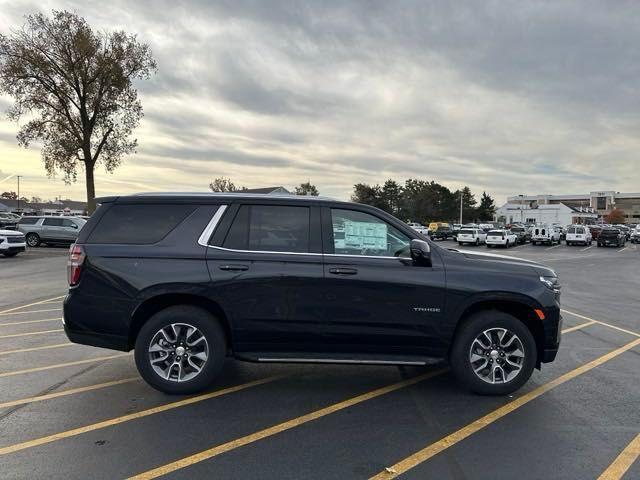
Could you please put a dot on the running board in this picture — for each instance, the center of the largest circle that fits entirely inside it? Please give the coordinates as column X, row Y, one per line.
column 365, row 359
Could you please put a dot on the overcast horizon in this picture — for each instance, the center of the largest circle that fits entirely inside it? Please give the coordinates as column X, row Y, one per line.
column 505, row 97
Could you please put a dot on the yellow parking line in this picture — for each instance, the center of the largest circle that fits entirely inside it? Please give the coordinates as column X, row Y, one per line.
column 635, row 334
column 34, row 349
column 281, row 427
column 41, row 332
column 133, row 416
column 64, row 393
column 61, row 365
column 212, row 452
column 578, row 327
column 623, row 462
column 30, row 321
column 435, row 448
column 30, row 311
column 49, row 300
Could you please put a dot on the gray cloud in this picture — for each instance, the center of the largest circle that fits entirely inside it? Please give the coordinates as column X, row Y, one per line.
column 508, row 97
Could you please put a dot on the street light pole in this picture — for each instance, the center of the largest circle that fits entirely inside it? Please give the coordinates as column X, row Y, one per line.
column 19, row 176
column 460, row 207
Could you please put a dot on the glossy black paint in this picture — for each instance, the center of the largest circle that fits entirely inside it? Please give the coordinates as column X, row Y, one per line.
column 314, row 304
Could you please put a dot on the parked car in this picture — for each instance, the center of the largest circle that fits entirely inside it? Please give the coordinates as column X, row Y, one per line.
column 433, row 226
column 545, row 234
column 11, row 243
column 474, row 236
column 454, row 230
column 523, row 233
column 501, row 237
column 578, row 235
column 635, row 235
column 8, row 221
column 418, row 227
column 595, row 231
column 625, row 230
column 269, row 278
column 50, row 230
column 611, row 237
column 442, row 233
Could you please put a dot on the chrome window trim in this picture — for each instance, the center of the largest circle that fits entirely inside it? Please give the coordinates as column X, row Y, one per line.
column 211, row 226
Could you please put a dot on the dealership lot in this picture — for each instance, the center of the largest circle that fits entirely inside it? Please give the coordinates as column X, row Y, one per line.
column 71, row 411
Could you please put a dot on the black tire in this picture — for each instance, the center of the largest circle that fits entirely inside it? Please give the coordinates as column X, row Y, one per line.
column 477, row 242
column 460, row 244
column 506, row 245
column 33, row 239
column 10, row 254
column 460, row 352
column 211, row 330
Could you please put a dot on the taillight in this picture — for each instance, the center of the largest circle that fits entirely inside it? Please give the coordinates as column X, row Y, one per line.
column 74, row 264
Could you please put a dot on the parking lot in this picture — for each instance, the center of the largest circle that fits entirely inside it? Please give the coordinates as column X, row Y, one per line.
column 71, row 411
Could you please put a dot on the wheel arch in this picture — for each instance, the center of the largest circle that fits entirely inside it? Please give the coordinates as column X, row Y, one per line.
column 521, row 307
column 153, row 305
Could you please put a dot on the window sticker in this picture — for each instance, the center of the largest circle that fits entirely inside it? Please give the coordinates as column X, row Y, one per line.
column 364, row 235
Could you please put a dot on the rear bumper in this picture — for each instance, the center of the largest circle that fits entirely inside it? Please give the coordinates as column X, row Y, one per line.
column 12, row 249
column 97, row 339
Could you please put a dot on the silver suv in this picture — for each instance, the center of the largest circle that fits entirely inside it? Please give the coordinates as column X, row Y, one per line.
column 50, row 230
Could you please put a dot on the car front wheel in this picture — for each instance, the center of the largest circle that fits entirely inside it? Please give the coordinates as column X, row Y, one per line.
column 32, row 239
column 180, row 350
column 493, row 353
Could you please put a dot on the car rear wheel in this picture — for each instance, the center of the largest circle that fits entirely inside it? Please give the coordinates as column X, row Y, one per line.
column 180, row 350
column 493, row 353
column 32, row 239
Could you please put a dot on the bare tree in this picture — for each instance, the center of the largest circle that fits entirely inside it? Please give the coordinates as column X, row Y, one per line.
column 222, row 184
column 76, row 86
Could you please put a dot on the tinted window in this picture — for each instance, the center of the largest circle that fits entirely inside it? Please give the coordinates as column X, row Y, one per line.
column 28, row 220
column 517, row 229
column 495, row 232
column 70, row 223
column 52, row 222
column 466, row 232
column 358, row 233
column 274, row 228
column 572, row 230
column 138, row 224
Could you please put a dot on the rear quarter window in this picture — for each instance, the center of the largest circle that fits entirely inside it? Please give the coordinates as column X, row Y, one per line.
column 28, row 220
column 142, row 224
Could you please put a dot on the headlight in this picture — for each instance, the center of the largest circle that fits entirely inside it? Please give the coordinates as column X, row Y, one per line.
column 551, row 283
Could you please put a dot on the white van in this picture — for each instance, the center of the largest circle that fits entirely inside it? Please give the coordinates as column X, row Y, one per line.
column 578, row 235
column 545, row 234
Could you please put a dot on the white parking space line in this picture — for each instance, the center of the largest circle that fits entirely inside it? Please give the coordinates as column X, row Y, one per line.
column 48, row 300
column 30, row 311
column 585, row 249
column 31, row 321
column 551, row 248
column 622, row 249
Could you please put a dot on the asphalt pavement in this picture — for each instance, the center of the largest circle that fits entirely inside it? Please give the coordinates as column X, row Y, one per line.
column 71, row 411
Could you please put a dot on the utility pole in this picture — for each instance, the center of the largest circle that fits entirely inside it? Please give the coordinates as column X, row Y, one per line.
column 460, row 207
column 19, row 176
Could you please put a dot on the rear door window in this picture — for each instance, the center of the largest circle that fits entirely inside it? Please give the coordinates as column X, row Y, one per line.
column 53, row 222
column 270, row 228
column 141, row 224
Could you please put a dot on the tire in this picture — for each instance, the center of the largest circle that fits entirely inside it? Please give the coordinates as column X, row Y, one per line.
column 10, row 254
column 477, row 242
column 33, row 239
column 568, row 244
column 209, row 328
column 460, row 356
column 460, row 244
column 506, row 245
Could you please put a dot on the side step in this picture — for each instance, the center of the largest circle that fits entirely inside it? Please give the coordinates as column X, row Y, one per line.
column 359, row 359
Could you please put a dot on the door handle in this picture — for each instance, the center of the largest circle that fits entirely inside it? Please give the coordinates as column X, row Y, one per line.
column 234, row 268
column 343, row 271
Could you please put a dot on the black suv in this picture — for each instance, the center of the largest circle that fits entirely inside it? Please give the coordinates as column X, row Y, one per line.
column 187, row 279
column 523, row 233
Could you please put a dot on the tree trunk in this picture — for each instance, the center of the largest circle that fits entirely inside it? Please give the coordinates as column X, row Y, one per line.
column 91, row 189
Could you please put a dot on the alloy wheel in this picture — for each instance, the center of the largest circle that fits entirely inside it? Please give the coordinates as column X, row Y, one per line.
column 497, row 355
column 178, row 352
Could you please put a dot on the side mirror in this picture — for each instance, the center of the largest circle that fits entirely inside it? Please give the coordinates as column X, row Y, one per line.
column 420, row 253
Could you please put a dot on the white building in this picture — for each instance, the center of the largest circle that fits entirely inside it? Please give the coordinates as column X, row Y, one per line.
column 601, row 202
column 545, row 213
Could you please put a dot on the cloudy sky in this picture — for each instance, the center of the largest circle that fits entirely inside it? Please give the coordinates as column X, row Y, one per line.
column 508, row 97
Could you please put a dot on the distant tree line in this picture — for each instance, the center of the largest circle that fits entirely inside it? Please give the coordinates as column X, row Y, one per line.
column 423, row 201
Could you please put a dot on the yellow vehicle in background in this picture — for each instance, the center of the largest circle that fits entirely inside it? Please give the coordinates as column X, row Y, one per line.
column 433, row 226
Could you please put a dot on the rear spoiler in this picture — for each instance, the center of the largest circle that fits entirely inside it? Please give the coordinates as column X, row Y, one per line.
column 100, row 200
